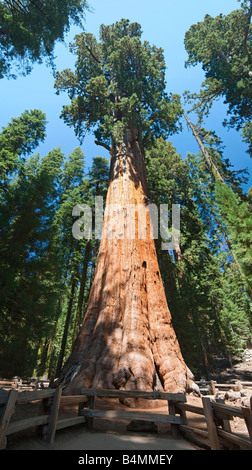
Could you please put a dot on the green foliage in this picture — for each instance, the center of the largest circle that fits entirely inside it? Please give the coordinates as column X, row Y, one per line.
column 118, row 83
column 238, row 219
column 30, row 276
column 247, row 135
column 234, row 309
column 205, row 293
column 223, row 45
column 218, row 168
column 42, row 264
column 29, row 30
column 18, row 139
column 98, row 177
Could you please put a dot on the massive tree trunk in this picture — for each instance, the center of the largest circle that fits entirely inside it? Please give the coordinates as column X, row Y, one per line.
column 127, row 340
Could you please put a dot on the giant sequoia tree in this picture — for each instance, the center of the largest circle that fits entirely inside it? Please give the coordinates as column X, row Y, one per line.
column 127, row 339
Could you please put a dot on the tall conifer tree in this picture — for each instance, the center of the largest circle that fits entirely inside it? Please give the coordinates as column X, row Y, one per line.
column 118, row 90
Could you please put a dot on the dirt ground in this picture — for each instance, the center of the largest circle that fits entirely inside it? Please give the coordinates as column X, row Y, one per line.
column 109, row 433
column 241, row 371
column 79, row 438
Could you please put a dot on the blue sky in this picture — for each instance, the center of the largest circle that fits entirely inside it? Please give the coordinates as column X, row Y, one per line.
column 164, row 23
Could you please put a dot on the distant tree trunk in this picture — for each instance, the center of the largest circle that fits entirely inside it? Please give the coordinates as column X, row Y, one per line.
column 66, row 327
column 42, row 357
column 51, row 358
column 95, row 251
column 212, row 167
column 127, row 340
column 82, row 290
column 179, row 260
column 170, row 275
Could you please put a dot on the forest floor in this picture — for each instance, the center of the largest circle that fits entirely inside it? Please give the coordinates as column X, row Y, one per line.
column 241, row 371
column 109, row 434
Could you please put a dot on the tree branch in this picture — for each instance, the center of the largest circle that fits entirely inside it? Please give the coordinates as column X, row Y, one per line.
column 92, row 54
column 103, row 145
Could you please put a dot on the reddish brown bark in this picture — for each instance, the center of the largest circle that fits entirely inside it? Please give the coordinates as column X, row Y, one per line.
column 127, row 340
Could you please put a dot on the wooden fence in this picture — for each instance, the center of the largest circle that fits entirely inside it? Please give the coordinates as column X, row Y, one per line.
column 206, row 386
column 18, row 383
column 9, row 400
column 217, row 433
column 211, row 387
column 134, row 415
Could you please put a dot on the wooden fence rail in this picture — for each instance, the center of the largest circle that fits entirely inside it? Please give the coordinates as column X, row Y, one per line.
column 212, row 387
column 24, row 384
column 8, row 400
column 206, row 386
column 217, row 433
column 169, row 417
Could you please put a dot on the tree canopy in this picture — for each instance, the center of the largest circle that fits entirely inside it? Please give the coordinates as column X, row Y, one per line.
column 118, row 82
column 223, row 46
column 18, row 139
column 29, row 30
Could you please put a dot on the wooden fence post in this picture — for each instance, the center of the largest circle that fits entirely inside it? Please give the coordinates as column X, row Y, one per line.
column 212, row 388
column 182, row 414
column 247, row 415
column 91, row 406
column 175, row 430
column 54, row 416
column 15, row 384
column 211, row 426
column 6, row 416
column 225, row 424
